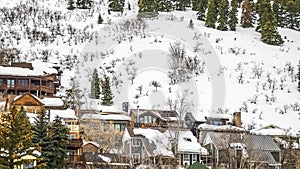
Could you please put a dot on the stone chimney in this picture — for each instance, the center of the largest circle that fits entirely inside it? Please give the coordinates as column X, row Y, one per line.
column 237, row 121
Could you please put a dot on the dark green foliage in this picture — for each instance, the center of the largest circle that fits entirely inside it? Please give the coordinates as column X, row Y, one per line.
column 279, row 14
column 58, row 140
column 223, row 15
column 291, row 16
column 233, row 20
column 107, row 96
column 265, row 14
column 40, row 130
column 246, row 18
column 148, row 6
column 270, row 35
column 164, row 5
column 95, row 85
column 211, row 16
column 71, row 5
column 201, row 7
column 16, row 138
column 116, row 5
column 181, row 4
column 100, row 20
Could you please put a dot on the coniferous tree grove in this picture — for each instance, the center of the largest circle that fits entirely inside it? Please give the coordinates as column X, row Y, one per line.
column 16, row 138
column 200, row 6
column 116, row 5
column 107, row 96
column 211, row 16
column 71, row 4
column 100, row 20
column 233, row 20
column 223, row 15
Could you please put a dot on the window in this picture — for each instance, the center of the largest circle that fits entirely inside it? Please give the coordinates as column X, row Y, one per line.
column 50, row 84
column 22, row 82
column 28, row 165
column 194, row 158
column 70, row 153
column 68, row 123
column 117, row 127
column 186, row 157
column 136, row 157
column 1, row 81
column 136, row 142
column 72, row 136
column 10, row 83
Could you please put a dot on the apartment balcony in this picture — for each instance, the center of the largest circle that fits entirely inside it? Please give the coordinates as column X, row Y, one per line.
column 75, row 143
column 73, row 127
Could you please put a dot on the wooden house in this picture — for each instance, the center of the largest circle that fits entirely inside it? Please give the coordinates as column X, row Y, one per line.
column 21, row 78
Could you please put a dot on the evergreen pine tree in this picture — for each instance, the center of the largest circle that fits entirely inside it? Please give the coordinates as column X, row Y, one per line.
column 279, row 13
column 233, row 20
column 265, row 14
column 223, row 15
column 201, row 7
column 58, row 140
column 116, row 5
column 71, row 5
column 147, row 6
column 291, row 16
column 107, row 98
column 100, row 20
column 40, row 130
column 95, row 85
column 211, row 16
column 246, row 18
column 270, row 35
column 16, row 138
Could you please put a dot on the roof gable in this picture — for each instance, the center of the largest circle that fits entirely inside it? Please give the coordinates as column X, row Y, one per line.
column 27, row 100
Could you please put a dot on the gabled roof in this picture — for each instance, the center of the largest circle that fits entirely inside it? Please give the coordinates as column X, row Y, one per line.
column 29, row 100
column 162, row 114
column 119, row 117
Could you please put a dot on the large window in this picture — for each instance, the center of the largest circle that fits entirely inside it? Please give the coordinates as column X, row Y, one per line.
column 22, row 82
column 194, row 158
column 120, row 127
column 10, row 83
column 136, row 142
column 136, row 157
column 1, row 81
column 28, row 165
column 186, row 157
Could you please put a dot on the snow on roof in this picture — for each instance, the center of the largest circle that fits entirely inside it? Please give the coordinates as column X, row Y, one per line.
column 104, row 158
column 219, row 116
column 270, row 131
column 106, row 117
column 205, row 126
column 64, row 114
column 39, row 69
column 187, row 141
column 53, row 102
column 91, row 142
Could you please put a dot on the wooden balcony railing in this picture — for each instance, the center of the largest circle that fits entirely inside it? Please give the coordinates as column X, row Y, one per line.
column 75, row 143
column 74, row 159
column 73, row 127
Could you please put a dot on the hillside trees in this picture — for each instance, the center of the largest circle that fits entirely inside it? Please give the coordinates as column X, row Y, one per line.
column 211, row 16
column 71, row 5
column 84, row 4
column 95, row 85
column 246, row 18
column 148, row 6
column 100, row 20
column 107, row 96
column 181, row 4
column 233, row 20
column 292, row 19
column 223, row 15
column 116, row 5
column 16, row 138
column 279, row 14
column 200, row 6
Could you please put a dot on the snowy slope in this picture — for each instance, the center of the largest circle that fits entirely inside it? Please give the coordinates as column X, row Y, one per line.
column 116, row 52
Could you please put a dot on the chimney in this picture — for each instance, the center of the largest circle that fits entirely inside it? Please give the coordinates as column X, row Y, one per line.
column 237, row 121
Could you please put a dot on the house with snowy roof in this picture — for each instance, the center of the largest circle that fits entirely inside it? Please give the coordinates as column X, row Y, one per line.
column 20, row 78
column 153, row 118
column 146, row 146
column 233, row 150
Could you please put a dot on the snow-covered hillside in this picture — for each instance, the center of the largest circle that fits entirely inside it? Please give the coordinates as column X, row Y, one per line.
column 240, row 72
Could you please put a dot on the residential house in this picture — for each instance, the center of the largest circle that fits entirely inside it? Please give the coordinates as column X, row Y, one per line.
column 153, row 118
column 106, row 160
column 106, row 128
column 161, row 148
column 21, row 78
column 232, row 150
column 90, row 147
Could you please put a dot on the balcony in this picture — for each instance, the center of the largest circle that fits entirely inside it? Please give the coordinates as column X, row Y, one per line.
column 75, row 143
column 73, row 127
column 74, row 159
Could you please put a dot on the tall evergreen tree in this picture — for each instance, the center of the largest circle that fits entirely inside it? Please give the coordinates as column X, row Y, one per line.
column 181, row 4
column 107, row 98
column 71, row 5
column 223, row 15
column 100, row 20
column 233, row 20
column 211, row 16
column 40, row 130
column 116, row 5
column 95, row 85
column 16, row 140
column 279, row 13
column 84, row 4
column 58, row 140
column 201, row 8
column 291, row 17
column 164, row 5
column 265, row 13
column 246, row 18
column 270, row 35
column 148, row 6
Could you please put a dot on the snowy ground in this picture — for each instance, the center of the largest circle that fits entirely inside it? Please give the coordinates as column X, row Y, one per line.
column 227, row 56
